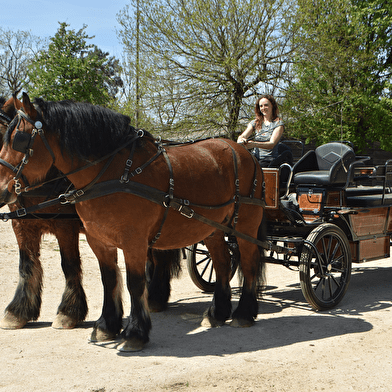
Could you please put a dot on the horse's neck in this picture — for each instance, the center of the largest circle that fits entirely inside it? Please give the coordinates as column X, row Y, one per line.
column 82, row 173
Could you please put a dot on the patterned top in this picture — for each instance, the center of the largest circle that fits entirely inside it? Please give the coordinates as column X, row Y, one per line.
column 264, row 135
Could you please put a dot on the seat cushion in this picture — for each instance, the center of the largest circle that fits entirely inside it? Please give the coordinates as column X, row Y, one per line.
column 319, row 177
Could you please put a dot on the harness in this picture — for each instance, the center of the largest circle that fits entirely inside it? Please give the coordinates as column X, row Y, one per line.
column 123, row 185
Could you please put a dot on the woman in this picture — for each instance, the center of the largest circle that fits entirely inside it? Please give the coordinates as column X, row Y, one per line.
column 269, row 130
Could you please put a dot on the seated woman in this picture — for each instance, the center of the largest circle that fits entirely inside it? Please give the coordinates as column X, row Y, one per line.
column 268, row 128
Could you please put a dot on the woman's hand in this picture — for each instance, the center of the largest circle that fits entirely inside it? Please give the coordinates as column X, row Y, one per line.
column 242, row 140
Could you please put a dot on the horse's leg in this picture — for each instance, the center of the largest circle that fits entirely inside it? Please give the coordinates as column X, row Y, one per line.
column 220, row 309
column 136, row 332
column 110, row 323
column 73, row 307
column 26, row 304
column 252, row 269
column 166, row 264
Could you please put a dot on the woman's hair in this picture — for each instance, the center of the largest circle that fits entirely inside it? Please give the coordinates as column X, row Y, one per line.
column 259, row 115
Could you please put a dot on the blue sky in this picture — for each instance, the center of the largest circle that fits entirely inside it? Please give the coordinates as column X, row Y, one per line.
column 41, row 18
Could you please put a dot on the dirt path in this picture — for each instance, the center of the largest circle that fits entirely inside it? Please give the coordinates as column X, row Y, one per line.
column 290, row 348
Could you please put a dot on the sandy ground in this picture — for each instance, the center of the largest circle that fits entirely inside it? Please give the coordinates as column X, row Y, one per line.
column 290, row 348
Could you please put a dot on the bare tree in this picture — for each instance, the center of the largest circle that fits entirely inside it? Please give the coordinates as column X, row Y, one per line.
column 217, row 54
column 17, row 50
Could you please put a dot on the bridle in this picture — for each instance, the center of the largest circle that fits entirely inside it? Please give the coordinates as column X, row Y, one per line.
column 23, row 142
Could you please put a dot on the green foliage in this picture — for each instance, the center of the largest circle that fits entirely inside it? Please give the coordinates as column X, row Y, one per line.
column 340, row 89
column 72, row 69
column 207, row 58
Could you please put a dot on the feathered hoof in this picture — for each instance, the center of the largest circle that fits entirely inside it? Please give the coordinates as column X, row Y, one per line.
column 131, row 345
column 209, row 321
column 63, row 321
column 241, row 323
column 98, row 335
column 156, row 307
column 10, row 321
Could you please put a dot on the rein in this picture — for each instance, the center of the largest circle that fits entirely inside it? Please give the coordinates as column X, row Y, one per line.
column 165, row 199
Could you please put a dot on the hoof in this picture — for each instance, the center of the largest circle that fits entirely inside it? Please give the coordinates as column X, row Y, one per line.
column 209, row 321
column 241, row 323
column 12, row 322
column 63, row 321
column 131, row 345
column 101, row 336
column 156, row 307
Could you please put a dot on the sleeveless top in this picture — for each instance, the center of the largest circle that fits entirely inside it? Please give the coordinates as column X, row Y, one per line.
column 264, row 135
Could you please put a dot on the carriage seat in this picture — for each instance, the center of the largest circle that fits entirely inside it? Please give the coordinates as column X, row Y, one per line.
column 285, row 155
column 327, row 165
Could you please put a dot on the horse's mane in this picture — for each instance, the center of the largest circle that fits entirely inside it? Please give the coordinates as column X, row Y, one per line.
column 85, row 131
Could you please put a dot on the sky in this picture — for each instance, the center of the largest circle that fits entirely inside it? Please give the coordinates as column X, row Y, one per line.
column 41, row 18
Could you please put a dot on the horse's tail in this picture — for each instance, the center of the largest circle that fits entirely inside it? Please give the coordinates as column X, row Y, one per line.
column 260, row 275
column 165, row 264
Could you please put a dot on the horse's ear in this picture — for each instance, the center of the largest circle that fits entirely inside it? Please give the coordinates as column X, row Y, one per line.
column 17, row 103
column 28, row 106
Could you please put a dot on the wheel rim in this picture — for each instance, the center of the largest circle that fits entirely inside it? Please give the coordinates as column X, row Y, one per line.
column 325, row 267
column 200, row 265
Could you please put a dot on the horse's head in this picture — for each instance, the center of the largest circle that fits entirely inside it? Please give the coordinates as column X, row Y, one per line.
column 25, row 156
column 7, row 113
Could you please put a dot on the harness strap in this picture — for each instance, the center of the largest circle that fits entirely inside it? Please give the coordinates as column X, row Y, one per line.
column 170, row 195
column 5, row 117
column 234, row 218
column 8, row 165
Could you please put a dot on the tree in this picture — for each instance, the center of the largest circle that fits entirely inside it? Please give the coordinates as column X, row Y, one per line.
column 213, row 55
column 342, row 72
column 17, row 51
column 72, row 69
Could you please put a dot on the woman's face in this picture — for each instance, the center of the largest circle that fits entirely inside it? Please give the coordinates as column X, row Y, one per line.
column 265, row 107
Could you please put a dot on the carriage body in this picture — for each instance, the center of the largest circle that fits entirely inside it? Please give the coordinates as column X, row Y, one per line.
column 323, row 226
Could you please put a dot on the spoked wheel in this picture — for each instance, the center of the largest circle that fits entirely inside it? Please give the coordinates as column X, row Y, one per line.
column 325, row 273
column 201, row 269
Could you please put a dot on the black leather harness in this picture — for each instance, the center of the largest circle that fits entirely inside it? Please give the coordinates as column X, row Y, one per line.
column 167, row 199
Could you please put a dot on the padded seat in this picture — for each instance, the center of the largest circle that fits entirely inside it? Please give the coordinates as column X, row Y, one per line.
column 327, row 165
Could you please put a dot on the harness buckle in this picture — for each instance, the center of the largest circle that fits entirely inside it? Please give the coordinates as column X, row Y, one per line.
column 21, row 212
column 79, row 193
column 186, row 211
column 138, row 170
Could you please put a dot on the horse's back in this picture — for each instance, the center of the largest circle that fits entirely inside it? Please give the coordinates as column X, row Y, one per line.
column 213, row 166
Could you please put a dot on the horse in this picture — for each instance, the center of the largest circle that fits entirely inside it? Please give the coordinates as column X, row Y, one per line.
column 134, row 194
column 63, row 222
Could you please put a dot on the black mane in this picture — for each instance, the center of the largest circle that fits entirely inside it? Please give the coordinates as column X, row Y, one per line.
column 85, row 131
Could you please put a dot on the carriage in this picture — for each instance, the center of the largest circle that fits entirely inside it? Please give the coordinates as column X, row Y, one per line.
column 329, row 209
column 143, row 196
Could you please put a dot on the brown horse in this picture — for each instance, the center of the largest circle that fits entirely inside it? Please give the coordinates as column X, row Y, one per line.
column 131, row 193
column 65, row 225
column 63, row 222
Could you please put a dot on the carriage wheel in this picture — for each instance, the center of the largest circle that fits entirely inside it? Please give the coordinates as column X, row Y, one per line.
column 325, row 276
column 201, row 269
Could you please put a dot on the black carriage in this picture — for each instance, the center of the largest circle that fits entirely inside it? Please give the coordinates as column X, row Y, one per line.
column 329, row 209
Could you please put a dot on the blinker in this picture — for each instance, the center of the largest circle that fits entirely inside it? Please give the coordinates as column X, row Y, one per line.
column 21, row 141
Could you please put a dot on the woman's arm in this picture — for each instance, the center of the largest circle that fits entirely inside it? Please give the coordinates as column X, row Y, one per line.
column 275, row 137
column 243, row 138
